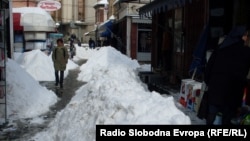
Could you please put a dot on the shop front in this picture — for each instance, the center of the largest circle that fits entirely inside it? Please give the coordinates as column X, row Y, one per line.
column 31, row 28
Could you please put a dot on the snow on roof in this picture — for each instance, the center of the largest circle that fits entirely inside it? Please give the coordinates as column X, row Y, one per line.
column 102, row 2
column 25, row 10
column 33, row 18
column 112, row 17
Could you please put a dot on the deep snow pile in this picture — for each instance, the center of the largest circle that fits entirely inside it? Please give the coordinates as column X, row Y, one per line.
column 113, row 95
column 23, row 101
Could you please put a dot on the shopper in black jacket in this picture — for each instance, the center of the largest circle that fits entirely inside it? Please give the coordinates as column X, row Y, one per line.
column 225, row 76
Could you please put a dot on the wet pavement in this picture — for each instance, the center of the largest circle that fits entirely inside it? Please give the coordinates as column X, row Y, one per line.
column 23, row 129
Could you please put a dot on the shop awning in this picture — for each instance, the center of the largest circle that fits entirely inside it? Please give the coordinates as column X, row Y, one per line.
column 106, row 33
column 34, row 19
column 106, row 24
column 90, row 33
column 16, row 22
column 37, row 22
column 142, row 21
column 105, row 29
column 135, row 1
column 158, row 6
column 128, row 0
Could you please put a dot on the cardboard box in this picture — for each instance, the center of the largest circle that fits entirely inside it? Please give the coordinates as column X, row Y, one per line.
column 194, row 89
column 184, row 91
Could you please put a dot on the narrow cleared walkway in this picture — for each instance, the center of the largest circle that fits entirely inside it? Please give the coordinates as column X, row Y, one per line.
column 24, row 129
column 69, row 87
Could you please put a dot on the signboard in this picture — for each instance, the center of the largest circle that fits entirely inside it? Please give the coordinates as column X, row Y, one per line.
column 49, row 5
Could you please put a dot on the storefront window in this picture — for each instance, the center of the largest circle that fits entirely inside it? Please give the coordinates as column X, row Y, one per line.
column 144, row 38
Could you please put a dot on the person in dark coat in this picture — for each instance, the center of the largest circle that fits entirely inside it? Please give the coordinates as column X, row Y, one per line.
column 60, row 59
column 225, row 76
column 79, row 43
column 91, row 43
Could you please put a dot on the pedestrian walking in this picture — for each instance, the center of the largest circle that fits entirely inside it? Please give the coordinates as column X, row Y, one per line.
column 60, row 59
column 91, row 43
column 79, row 43
column 72, row 46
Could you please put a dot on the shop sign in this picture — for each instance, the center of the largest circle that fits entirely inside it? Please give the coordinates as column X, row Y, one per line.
column 49, row 5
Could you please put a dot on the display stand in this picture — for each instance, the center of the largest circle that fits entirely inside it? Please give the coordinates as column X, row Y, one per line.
column 3, row 101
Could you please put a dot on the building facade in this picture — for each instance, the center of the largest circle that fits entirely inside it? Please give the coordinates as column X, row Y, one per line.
column 31, row 26
column 188, row 22
column 24, row 3
column 74, row 16
column 133, row 33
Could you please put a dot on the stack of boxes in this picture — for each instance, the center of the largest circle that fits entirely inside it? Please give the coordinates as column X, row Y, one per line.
column 190, row 94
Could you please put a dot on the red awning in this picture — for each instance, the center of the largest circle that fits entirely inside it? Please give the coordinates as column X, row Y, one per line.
column 16, row 22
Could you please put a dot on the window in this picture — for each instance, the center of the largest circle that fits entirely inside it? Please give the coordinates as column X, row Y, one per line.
column 144, row 38
column 18, row 37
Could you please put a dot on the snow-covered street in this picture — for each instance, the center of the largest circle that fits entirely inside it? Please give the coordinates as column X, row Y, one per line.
column 110, row 93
